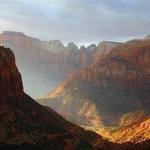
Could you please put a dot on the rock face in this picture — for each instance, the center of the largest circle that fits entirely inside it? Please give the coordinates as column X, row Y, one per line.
column 136, row 133
column 10, row 78
column 104, row 48
column 115, row 85
column 45, row 64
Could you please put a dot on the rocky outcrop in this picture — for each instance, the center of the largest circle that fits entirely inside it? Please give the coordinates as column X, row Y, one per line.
column 133, row 118
column 10, row 78
column 54, row 46
column 103, row 48
column 136, row 132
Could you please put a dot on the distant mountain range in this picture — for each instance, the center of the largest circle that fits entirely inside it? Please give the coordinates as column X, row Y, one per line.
column 45, row 64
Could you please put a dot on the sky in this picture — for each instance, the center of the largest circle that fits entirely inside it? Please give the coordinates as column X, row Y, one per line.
column 79, row 21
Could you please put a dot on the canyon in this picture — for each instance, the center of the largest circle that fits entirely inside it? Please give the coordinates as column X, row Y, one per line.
column 25, row 124
column 104, row 89
column 112, row 94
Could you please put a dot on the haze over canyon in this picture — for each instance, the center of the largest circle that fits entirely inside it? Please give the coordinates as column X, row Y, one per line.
column 49, row 61
column 25, row 124
column 102, row 88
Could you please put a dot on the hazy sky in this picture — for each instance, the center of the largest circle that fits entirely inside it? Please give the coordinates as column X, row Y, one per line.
column 80, row 21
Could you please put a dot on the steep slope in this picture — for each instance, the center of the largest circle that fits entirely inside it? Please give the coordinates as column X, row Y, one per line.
column 24, row 124
column 45, row 64
column 102, row 93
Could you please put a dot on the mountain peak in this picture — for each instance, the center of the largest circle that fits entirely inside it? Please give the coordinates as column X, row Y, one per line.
column 91, row 47
column 11, row 83
column 56, row 42
column 108, row 43
column 55, row 46
column 82, row 47
column 72, row 46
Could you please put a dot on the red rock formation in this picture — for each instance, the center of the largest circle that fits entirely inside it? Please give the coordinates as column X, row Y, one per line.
column 136, row 133
column 104, row 48
column 10, row 78
column 117, row 84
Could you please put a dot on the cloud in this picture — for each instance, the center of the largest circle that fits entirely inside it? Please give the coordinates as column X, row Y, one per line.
column 80, row 21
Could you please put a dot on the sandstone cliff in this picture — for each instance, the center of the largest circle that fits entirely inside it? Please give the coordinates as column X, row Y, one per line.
column 10, row 78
